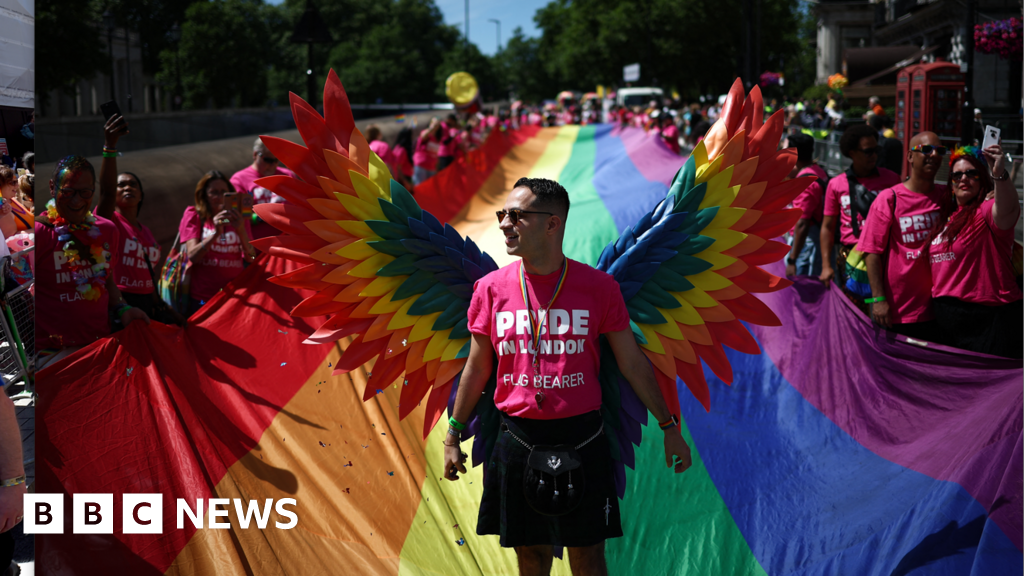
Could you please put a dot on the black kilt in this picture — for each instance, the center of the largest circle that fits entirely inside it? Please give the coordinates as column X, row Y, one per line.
column 504, row 510
column 992, row 330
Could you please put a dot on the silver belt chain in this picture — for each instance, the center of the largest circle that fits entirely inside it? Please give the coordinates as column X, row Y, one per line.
column 528, row 447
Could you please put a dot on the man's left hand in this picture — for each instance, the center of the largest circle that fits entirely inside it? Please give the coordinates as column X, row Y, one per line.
column 675, row 446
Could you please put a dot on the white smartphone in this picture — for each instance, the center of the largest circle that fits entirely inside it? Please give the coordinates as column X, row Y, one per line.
column 991, row 137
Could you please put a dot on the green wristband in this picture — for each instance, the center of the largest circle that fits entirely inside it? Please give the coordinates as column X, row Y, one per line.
column 873, row 300
column 110, row 154
column 456, row 424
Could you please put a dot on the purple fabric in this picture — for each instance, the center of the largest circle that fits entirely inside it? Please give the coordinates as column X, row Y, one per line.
column 656, row 163
column 946, row 413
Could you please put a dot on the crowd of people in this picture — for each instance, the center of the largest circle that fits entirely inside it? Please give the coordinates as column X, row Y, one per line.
column 937, row 258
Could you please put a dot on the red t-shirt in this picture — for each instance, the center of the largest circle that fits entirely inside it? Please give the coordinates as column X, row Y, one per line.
column 908, row 278
column 221, row 263
column 130, row 270
column 811, row 200
column 976, row 268
column 837, row 199
column 589, row 304
column 63, row 316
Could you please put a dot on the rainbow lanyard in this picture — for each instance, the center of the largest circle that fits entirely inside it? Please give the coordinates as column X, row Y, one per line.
column 538, row 325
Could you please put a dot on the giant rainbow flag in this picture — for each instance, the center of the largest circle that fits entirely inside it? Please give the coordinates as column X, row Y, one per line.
column 838, row 450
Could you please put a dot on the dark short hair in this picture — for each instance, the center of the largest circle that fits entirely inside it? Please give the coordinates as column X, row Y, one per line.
column 851, row 137
column 804, row 145
column 550, row 194
column 877, row 122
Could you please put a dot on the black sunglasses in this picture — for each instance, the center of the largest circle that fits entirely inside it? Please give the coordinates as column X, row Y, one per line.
column 83, row 193
column 928, row 149
column 972, row 174
column 269, row 160
column 515, row 214
column 867, row 151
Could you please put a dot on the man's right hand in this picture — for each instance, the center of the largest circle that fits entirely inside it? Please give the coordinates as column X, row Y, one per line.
column 880, row 314
column 453, row 461
column 826, row 274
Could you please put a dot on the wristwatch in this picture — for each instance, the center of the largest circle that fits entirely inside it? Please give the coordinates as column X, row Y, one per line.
column 790, row 260
column 1005, row 176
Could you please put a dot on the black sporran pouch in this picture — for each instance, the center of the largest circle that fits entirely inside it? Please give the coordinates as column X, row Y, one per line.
column 553, row 480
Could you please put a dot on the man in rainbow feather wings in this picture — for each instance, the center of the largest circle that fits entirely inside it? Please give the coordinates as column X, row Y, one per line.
column 391, row 275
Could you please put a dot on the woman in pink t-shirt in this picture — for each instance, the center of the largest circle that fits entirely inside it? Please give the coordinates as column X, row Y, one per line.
column 121, row 199
column 975, row 297
column 75, row 292
column 216, row 241
column 424, row 158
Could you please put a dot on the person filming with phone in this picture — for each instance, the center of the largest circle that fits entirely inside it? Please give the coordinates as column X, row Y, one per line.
column 216, row 238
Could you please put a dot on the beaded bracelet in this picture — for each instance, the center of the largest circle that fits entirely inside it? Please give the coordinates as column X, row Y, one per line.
column 873, row 300
column 13, row 481
column 456, row 424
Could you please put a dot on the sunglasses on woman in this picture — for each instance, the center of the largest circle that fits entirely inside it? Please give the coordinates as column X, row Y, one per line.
column 515, row 214
column 972, row 174
column 927, row 150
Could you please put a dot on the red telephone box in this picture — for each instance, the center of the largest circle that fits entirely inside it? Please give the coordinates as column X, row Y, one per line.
column 929, row 98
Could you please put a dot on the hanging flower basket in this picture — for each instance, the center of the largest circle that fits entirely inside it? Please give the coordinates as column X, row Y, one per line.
column 1002, row 37
column 770, row 79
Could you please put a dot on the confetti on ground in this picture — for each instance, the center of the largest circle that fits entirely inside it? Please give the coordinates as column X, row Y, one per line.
column 328, row 364
column 391, row 473
column 347, row 465
column 365, row 446
column 460, row 541
column 403, row 342
column 456, row 526
column 322, row 445
column 383, row 434
column 317, row 391
column 283, row 363
column 379, row 391
column 130, row 371
column 282, row 331
column 346, row 491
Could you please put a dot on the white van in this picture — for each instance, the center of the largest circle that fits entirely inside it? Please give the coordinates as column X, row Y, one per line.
column 630, row 97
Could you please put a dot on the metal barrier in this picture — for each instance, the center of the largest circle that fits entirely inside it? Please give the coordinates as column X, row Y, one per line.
column 827, row 154
column 18, row 325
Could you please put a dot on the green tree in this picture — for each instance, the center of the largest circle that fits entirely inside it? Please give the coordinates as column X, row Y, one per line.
column 519, row 68
column 223, row 55
column 69, row 49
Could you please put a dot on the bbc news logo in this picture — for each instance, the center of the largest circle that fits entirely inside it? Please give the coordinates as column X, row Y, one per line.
column 143, row 513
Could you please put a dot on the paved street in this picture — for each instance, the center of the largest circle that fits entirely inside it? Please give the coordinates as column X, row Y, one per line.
column 24, row 551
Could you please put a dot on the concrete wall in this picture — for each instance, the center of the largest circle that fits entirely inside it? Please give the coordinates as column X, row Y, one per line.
column 169, row 174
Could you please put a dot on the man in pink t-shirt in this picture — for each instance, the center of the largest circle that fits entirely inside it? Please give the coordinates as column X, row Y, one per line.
column 859, row 143
column 804, row 258
column 263, row 164
column 896, row 238
column 542, row 317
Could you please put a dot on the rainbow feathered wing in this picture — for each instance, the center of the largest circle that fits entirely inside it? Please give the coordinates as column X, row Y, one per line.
column 398, row 282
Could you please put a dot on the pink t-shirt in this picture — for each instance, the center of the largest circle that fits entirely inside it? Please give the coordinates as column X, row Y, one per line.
column 671, row 136
column 448, row 142
column 976, row 268
column 381, row 149
column 130, row 271
column 221, row 263
column 837, row 199
column 400, row 160
column 245, row 181
column 908, row 278
column 425, row 153
column 590, row 304
column 811, row 200
column 63, row 316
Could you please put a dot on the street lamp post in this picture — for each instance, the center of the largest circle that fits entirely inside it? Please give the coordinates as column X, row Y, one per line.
column 310, row 30
column 498, row 24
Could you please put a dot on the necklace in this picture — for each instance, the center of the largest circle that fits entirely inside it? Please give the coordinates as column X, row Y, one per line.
column 90, row 279
column 537, row 325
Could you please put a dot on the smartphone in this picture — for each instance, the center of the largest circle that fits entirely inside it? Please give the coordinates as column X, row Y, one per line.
column 231, row 201
column 110, row 109
column 991, row 137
